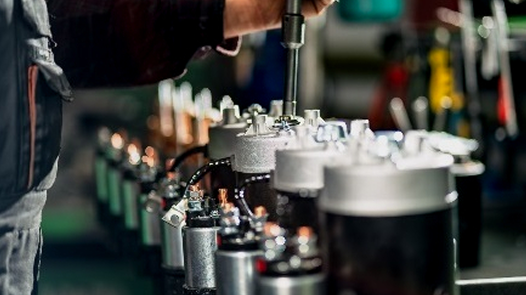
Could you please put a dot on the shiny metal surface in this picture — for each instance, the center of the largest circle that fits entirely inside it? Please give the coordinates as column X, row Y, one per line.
column 172, row 245
column 298, row 170
column 222, row 139
column 130, row 194
column 114, row 191
column 200, row 245
column 236, row 272
column 149, row 224
column 410, row 186
column 257, row 153
column 301, row 285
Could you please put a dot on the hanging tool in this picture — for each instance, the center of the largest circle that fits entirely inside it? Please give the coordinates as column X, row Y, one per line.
column 399, row 113
column 469, row 54
column 420, row 109
column 293, row 34
column 506, row 104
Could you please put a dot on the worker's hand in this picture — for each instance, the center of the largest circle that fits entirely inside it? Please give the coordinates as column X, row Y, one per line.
column 247, row 16
column 315, row 7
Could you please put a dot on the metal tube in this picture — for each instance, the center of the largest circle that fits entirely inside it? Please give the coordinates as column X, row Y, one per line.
column 291, row 82
column 130, row 194
column 149, row 224
column 199, row 244
column 499, row 12
column 236, row 272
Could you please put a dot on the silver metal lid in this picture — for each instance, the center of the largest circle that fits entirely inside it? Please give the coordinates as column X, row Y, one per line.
column 223, row 135
column 276, row 108
column 410, row 185
column 255, row 150
column 300, row 168
column 313, row 118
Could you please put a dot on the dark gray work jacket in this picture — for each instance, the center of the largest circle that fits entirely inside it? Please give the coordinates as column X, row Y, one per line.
column 32, row 88
column 102, row 43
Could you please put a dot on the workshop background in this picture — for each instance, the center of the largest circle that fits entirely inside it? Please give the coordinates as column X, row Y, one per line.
column 354, row 61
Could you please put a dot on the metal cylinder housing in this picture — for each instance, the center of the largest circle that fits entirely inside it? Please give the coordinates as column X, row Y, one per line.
column 236, row 272
column 410, row 186
column 301, row 285
column 149, row 224
column 302, row 169
column 200, row 245
column 130, row 194
column 222, row 139
column 257, row 153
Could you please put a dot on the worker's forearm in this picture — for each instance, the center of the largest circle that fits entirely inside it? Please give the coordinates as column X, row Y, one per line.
column 246, row 16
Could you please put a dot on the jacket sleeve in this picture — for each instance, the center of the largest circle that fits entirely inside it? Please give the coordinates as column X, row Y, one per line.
column 114, row 43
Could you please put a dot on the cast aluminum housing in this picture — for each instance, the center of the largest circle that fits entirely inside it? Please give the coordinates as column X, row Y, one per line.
column 255, row 150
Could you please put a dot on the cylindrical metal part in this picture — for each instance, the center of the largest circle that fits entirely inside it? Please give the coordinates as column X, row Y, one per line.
column 172, row 245
column 222, row 139
column 313, row 284
column 393, row 224
column 313, row 118
column 257, row 153
column 301, row 170
column 291, row 82
column 421, row 112
column 387, row 189
column 236, row 272
column 293, row 7
column 469, row 188
column 130, row 195
column 410, row 254
column 150, row 230
column 114, row 191
column 200, row 245
column 150, row 235
column 293, row 31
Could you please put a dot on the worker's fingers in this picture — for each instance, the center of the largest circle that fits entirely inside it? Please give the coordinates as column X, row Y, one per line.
column 315, row 7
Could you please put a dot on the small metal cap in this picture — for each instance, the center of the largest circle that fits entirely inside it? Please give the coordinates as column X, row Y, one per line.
column 230, row 115
column 360, row 129
column 332, row 131
column 276, row 108
column 313, row 118
column 259, row 126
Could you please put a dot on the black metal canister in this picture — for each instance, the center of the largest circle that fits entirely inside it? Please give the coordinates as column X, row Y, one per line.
column 469, row 187
column 389, row 226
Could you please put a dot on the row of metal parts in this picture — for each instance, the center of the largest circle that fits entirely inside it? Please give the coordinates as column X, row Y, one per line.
column 280, row 209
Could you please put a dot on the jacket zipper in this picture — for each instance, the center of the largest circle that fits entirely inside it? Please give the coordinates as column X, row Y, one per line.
column 32, row 76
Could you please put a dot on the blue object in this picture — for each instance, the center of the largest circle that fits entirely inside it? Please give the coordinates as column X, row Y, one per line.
column 370, row 10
